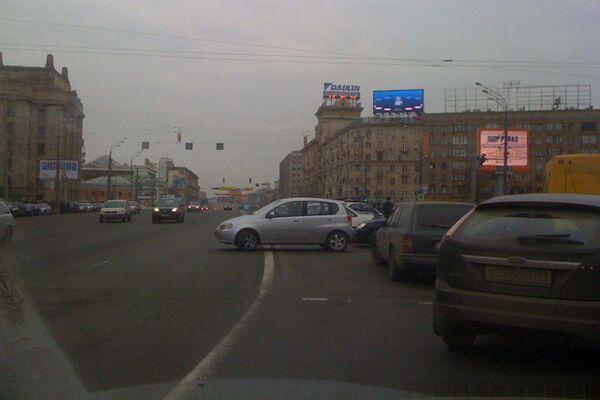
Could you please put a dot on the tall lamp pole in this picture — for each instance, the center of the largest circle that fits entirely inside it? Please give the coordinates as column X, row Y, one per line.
column 109, row 179
column 503, row 103
column 135, row 188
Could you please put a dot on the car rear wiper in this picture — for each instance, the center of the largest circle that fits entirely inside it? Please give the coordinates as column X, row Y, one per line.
column 436, row 226
column 554, row 238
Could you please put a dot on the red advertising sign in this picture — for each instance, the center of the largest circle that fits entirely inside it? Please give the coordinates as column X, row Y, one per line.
column 491, row 146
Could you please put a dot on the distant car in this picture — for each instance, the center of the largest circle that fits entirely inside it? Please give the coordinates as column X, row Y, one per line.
column 95, row 207
column 83, row 207
column 193, row 206
column 168, row 209
column 521, row 263
column 114, row 210
column 366, row 231
column 410, row 239
column 135, row 207
column 31, row 210
column 17, row 209
column 45, row 208
column 299, row 220
column 204, row 208
column 6, row 224
column 227, row 207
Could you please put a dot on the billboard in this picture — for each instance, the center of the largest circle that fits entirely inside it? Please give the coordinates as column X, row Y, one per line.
column 491, row 146
column 343, row 91
column 398, row 101
column 69, row 169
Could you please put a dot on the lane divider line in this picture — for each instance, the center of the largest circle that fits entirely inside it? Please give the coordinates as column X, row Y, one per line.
column 99, row 263
column 314, row 299
column 207, row 367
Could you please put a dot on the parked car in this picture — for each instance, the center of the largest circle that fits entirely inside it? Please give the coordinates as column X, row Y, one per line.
column 31, row 210
column 291, row 221
column 227, row 207
column 366, row 231
column 168, row 209
column 362, row 217
column 410, row 239
column 361, row 207
column 193, row 206
column 44, row 208
column 6, row 224
column 16, row 208
column 135, row 206
column 115, row 210
column 529, row 262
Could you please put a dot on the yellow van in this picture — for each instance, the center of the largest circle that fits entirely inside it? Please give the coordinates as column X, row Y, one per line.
column 573, row 173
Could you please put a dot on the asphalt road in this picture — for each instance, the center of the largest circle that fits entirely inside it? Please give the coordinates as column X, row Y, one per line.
column 134, row 304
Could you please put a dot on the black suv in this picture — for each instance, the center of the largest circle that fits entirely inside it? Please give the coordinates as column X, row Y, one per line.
column 521, row 263
column 410, row 239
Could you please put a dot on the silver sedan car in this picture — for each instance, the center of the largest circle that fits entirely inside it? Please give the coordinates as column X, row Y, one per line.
column 301, row 220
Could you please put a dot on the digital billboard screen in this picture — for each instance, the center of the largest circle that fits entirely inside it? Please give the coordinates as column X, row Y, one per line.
column 491, row 146
column 398, row 101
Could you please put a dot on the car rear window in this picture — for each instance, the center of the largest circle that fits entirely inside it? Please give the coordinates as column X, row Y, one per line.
column 539, row 224
column 167, row 203
column 440, row 216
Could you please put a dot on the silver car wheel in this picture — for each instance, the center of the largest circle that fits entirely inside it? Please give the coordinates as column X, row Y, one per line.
column 337, row 241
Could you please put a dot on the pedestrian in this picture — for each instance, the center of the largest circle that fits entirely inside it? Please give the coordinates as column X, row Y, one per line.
column 388, row 207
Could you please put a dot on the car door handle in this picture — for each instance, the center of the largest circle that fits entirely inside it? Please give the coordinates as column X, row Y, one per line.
column 328, row 219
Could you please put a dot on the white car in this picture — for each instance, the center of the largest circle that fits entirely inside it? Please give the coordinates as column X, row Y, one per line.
column 6, row 224
column 362, row 213
column 298, row 220
column 115, row 210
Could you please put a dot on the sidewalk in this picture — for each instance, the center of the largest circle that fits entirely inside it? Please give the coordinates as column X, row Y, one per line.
column 31, row 364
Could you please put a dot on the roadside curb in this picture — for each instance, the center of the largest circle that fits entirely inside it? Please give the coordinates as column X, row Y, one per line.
column 31, row 364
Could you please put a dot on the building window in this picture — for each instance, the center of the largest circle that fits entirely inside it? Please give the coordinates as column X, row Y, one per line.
column 368, row 134
column 590, row 150
column 589, row 126
column 538, row 140
column 522, row 177
column 392, row 181
column 41, row 115
column 553, row 127
column 444, row 166
column 392, row 168
column 10, row 108
column 459, row 140
column 554, row 151
column 10, row 129
column 522, row 125
column 459, row 176
column 444, row 129
column 444, row 188
column 404, row 157
column 368, row 145
column 459, row 164
column 539, row 166
column 368, row 156
column 431, row 189
column 459, row 127
column 41, row 149
column 553, row 139
column 432, row 138
column 492, row 125
column 41, row 131
column 588, row 139
column 459, row 152
column 9, row 163
column 405, row 180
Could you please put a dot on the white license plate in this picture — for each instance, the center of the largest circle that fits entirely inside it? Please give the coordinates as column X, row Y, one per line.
column 518, row 276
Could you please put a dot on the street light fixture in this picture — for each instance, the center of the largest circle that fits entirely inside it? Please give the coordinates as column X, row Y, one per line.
column 503, row 103
column 109, row 179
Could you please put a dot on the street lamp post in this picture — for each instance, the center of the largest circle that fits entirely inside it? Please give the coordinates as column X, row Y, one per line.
column 134, row 187
column 109, row 178
column 503, row 103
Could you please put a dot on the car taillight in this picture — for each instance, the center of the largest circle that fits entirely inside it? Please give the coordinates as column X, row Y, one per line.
column 349, row 218
column 407, row 244
column 457, row 225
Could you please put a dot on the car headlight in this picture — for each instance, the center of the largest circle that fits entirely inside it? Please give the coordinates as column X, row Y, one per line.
column 360, row 226
column 156, row 209
column 173, row 210
column 225, row 227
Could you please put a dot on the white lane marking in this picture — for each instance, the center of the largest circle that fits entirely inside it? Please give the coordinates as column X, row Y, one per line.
column 314, row 299
column 99, row 263
column 425, row 303
column 207, row 366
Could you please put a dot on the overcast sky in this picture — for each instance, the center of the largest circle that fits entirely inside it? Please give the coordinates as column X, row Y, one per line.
column 260, row 109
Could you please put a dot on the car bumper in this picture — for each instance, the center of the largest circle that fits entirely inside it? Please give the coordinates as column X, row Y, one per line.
column 492, row 312
column 169, row 216
column 113, row 216
column 225, row 236
column 422, row 263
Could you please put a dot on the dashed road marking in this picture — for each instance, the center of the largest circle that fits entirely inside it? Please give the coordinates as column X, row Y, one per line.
column 314, row 299
column 99, row 263
column 425, row 303
column 206, row 368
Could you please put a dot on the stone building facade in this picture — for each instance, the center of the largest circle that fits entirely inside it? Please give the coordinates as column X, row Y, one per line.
column 435, row 153
column 40, row 119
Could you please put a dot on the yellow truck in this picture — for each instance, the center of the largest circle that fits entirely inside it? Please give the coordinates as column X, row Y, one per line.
column 573, row 173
